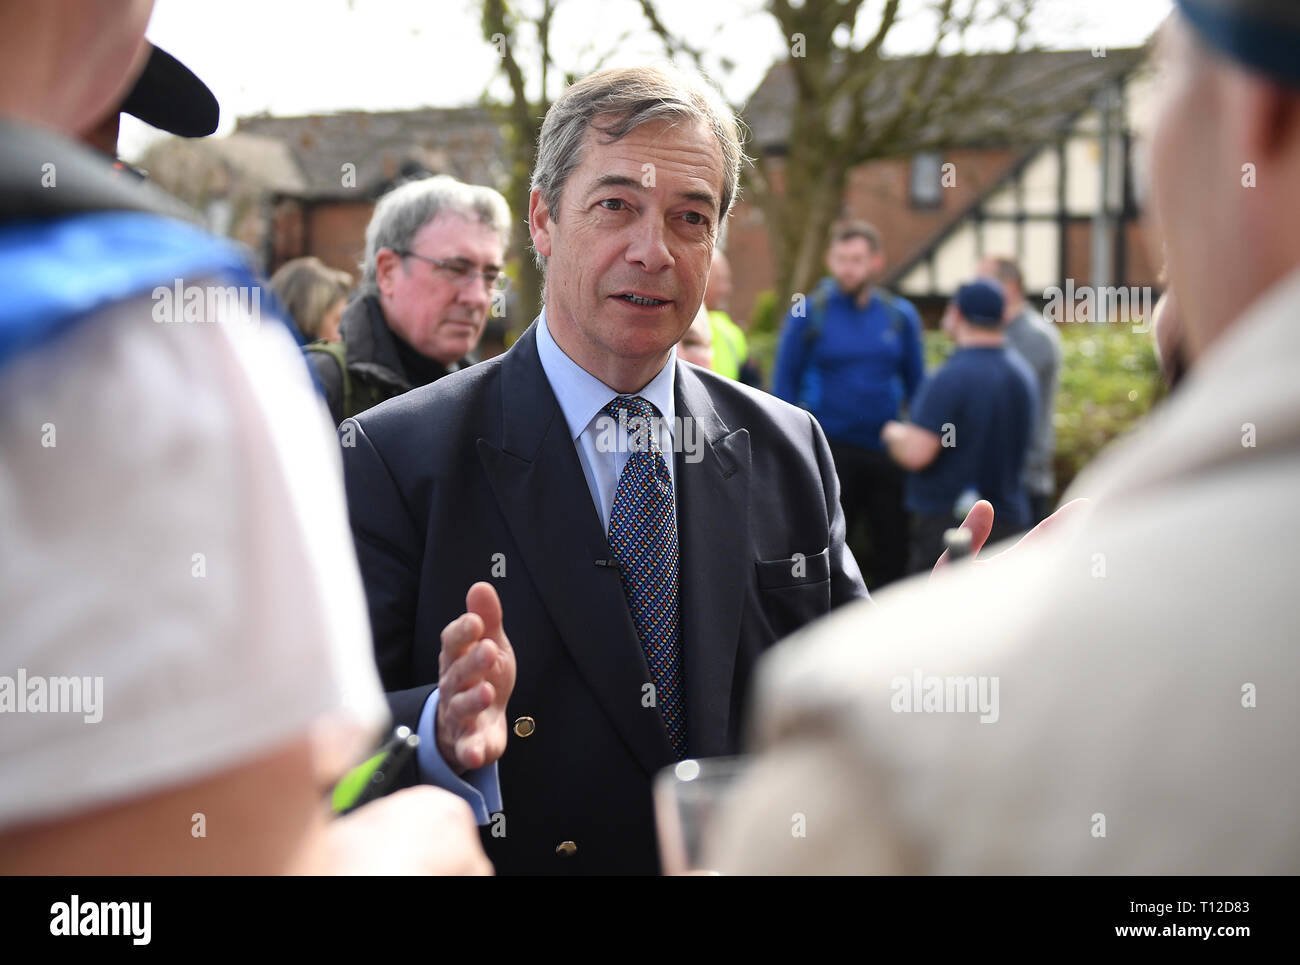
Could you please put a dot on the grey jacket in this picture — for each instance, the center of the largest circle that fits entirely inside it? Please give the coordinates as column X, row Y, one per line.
column 1039, row 344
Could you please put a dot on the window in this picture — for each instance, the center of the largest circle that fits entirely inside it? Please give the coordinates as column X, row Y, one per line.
column 925, row 189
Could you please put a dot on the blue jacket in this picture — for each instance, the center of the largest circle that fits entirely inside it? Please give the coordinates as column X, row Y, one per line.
column 855, row 375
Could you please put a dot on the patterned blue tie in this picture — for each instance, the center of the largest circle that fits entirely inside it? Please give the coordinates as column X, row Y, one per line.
column 643, row 537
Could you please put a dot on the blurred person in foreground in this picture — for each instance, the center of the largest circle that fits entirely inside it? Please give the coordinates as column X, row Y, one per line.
column 185, row 632
column 1128, row 686
column 1037, row 341
column 314, row 295
column 433, row 270
column 970, row 427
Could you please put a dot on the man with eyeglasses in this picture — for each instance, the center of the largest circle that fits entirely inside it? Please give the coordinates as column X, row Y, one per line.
column 432, row 273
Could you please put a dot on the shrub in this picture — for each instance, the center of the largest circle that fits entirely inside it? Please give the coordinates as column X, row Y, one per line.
column 763, row 333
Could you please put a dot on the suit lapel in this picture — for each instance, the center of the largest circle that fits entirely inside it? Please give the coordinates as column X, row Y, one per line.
column 542, row 492
column 715, row 560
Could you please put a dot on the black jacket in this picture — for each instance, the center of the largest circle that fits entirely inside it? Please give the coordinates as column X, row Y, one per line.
column 374, row 359
column 495, row 478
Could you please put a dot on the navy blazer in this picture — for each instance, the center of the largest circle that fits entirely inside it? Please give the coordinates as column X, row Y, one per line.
column 476, row 475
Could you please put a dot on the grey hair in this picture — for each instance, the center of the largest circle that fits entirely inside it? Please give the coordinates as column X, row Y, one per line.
column 625, row 98
column 403, row 211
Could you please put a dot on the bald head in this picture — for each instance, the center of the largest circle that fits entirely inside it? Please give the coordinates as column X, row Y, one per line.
column 717, row 296
column 1006, row 273
column 65, row 64
column 697, row 344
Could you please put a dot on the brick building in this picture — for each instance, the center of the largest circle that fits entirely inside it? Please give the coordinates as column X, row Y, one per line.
column 291, row 186
column 1038, row 200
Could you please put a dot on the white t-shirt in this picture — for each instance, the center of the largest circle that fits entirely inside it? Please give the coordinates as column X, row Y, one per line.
column 172, row 532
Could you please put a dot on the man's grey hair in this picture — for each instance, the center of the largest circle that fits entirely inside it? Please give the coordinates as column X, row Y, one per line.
column 403, row 211
column 616, row 102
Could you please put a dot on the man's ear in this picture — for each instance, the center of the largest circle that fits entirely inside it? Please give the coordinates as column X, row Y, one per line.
column 387, row 262
column 539, row 223
column 1269, row 115
column 948, row 321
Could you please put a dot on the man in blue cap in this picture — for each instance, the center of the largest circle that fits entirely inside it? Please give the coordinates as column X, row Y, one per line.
column 971, row 424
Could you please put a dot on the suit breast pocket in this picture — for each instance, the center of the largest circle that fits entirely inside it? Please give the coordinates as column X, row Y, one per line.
column 794, row 591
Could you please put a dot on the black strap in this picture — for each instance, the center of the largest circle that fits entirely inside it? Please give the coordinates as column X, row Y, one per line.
column 817, row 316
column 338, row 352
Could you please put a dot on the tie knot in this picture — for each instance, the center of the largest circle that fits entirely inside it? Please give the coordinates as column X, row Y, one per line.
column 625, row 407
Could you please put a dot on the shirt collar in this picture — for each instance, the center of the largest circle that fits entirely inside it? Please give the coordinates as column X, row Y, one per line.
column 581, row 395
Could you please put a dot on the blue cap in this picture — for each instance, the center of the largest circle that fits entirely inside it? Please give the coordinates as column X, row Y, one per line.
column 980, row 302
column 1261, row 35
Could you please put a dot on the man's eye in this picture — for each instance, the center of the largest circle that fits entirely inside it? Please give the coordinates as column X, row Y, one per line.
column 695, row 218
column 458, row 269
column 612, row 204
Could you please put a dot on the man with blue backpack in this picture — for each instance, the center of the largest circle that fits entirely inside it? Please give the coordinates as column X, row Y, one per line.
column 851, row 354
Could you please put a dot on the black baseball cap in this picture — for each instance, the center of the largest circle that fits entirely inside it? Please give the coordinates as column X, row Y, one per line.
column 981, row 302
column 167, row 95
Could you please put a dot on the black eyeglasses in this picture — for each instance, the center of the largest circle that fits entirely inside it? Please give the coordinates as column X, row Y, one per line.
column 462, row 273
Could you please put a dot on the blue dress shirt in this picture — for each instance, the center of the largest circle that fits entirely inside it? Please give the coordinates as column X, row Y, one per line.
column 582, row 396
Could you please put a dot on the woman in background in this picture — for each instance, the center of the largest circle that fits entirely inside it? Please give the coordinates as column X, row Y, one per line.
column 315, row 295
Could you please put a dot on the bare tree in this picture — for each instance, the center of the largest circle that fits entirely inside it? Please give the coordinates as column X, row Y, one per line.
column 521, row 35
column 848, row 103
column 523, row 115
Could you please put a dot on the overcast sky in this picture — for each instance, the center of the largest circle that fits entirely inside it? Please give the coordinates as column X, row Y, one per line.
column 298, row 57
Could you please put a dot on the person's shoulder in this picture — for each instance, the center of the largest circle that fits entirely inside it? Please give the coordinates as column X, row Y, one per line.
column 1040, row 330
column 432, row 411
column 899, row 302
column 722, row 319
column 1021, row 367
column 956, row 368
column 328, row 368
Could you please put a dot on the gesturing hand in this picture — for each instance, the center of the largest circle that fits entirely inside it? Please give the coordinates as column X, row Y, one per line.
column 979, row 521
column 476, row 675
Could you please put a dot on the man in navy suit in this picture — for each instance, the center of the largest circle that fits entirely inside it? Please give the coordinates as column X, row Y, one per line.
column 644, row 527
